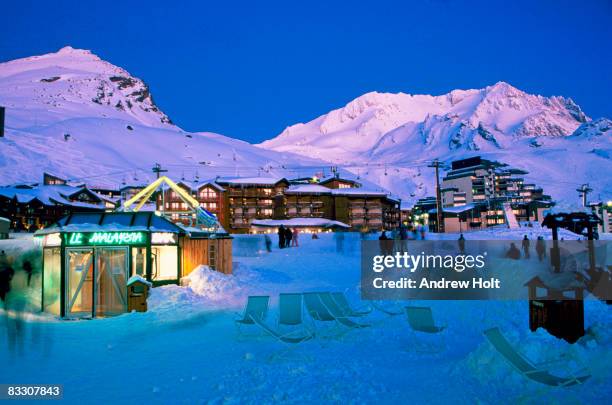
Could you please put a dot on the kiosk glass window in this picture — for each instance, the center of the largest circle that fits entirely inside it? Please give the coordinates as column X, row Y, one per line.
column 139, row 261
column 111, row 280
column 165, row 262
column 52, row 280
column 79, row 281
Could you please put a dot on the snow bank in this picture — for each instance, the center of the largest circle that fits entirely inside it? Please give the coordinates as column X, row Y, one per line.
column 218, row 289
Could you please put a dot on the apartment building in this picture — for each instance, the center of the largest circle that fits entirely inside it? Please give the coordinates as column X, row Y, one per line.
column 249, row 198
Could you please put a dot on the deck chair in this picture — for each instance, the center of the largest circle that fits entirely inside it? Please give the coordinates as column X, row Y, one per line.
column 536, row 372
column 344, row 305
column 385, row 310
column 343, row 319
column 290, row 316
column 319, row 313
column 421, row 319
column 256, row 309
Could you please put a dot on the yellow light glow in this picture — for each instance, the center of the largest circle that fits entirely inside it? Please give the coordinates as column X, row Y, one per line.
column 53, row 239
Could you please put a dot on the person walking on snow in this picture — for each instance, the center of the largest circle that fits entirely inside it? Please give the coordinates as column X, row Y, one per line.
column 526, row 246
column 541, row 248
column 461, row 243
column 294, row 238
column 268, row 242
column 288, row 237
column 281, row 237
column 27, row 267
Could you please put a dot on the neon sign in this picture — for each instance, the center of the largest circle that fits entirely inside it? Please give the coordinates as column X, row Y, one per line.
column 163, row 238
column 105, row 238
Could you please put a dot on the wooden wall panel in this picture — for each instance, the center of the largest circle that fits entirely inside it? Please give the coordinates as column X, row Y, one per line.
column 196, row 252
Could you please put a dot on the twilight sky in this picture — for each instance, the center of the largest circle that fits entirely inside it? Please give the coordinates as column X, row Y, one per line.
column 249, row 69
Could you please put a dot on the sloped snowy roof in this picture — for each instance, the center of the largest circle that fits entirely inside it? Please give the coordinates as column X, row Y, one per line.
column 358, row 191
column 300, row 223
column 112, row 221
column 195, row 185
column 308, row 188
column 49, row 194
column 454, row 210
column 264, row 181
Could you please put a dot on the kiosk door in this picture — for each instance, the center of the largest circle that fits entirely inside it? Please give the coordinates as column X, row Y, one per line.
column 79, row 282
column 111, row 280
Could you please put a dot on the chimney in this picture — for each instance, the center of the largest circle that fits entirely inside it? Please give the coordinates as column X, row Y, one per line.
column 1, row 122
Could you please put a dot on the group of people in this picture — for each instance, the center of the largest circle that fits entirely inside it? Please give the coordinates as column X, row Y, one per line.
column 7, row 273
column 397, row 239
column 515, row 253
column 404, row 233
column 287, row 237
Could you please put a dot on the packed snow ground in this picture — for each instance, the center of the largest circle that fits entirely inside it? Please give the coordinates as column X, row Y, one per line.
column 186, row 350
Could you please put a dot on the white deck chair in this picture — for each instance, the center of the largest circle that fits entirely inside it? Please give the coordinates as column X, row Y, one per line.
column 536, row 372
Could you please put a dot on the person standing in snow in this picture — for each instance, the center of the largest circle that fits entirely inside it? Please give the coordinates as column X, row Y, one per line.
column 288, row 237
column 422, row 229
column 513, row 253
column 294, row 238
column 526, row 246
column 386, row 244
column 281, row 237
column 541, row 248
column 27, row 267
column 268, row 242
column 403, row 235
column 6, row 276
column 461, row 243
column 339, row 236
column 3, row 260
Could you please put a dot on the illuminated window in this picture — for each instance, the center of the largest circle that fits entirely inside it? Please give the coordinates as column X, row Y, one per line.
column 208, row 193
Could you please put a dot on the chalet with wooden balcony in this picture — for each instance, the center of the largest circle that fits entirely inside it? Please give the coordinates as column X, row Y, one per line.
column 249, row 198
column 209, row 195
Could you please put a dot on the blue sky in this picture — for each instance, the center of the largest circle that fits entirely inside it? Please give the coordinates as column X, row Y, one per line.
column 249, row 69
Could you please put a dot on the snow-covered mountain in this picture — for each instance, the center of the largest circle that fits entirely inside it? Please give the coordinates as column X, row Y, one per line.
column 76, row 116
column 390, row 138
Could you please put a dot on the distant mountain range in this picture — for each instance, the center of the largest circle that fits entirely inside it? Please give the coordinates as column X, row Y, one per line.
column 74, row 115
column 388, row 138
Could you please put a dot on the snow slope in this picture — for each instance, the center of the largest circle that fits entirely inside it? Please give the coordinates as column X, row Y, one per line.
column 390, row 138
column 79, row 117
column 76, row 116
column 186, row 349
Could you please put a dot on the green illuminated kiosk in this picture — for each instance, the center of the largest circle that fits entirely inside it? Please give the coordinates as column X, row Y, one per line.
column 90, row 258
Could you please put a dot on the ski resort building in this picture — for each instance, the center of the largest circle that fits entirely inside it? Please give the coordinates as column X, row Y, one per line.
column 209, row 194
column 90, row 259
column 249, row 198
column 604, row 211
column 478, row 193
column 361, row 209
column 30, row 207
column 238, row 201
